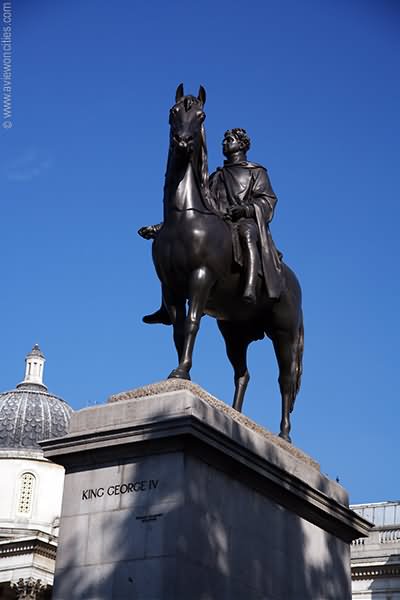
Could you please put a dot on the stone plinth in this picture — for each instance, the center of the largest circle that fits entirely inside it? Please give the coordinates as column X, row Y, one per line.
column 171, row 495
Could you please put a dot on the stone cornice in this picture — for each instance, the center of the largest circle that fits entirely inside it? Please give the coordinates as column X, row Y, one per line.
column 375, row 571
column 28, row 546
column 184, row 421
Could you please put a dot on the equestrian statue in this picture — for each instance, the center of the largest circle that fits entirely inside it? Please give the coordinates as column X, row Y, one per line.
column 214, row 255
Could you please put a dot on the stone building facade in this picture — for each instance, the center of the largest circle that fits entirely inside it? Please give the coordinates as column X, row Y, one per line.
column 375, row 560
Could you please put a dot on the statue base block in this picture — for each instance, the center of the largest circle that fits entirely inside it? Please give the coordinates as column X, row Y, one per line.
column 170, row 495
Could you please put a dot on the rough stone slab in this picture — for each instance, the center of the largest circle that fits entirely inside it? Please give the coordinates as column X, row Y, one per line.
column 139, row 419
column 182, row 421
column 173, row 385
column 126, row 420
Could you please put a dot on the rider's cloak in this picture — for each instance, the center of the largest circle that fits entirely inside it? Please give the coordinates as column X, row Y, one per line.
column 247, row 183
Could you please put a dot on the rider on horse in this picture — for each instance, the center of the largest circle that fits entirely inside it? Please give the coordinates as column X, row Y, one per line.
column 242, row 192
column 243, row 189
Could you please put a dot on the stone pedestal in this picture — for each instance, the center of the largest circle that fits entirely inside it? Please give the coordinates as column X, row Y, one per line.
column 172, row 495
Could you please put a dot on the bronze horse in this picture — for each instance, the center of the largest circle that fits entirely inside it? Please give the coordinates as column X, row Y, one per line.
column 193, row 257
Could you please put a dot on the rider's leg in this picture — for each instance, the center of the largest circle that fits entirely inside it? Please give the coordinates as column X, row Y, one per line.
column 159, row 316
column 248, row 234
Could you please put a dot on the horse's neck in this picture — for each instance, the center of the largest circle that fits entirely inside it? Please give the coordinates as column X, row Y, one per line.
column 182, row 192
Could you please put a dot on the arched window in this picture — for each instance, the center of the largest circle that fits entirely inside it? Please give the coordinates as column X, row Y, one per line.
column 26, row 489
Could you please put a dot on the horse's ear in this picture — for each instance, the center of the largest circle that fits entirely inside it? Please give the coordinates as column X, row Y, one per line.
column 179, row 92
column 202, row 95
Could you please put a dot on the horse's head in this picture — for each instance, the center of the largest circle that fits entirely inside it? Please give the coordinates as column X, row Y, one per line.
column 186, row 118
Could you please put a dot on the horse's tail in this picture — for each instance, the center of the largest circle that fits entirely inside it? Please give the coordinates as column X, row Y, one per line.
column 299, row 360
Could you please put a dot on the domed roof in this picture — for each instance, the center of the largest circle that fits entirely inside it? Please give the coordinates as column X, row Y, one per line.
column 29, row 413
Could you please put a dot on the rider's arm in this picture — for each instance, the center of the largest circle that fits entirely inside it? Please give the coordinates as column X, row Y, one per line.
column 263, row 195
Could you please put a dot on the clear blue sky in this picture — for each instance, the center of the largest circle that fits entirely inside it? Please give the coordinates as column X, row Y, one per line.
column 316, row 84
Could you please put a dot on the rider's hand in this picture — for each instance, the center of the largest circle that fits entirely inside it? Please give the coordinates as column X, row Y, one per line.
column 237, row 212
column 147, row 232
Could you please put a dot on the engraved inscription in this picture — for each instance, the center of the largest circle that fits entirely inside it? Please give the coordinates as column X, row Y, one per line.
column 145, row 485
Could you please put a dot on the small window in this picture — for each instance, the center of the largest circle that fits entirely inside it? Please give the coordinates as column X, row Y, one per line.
column 27, row 484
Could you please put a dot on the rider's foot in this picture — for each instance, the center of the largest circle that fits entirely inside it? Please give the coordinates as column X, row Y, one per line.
column 160, row 316
column 249, row 297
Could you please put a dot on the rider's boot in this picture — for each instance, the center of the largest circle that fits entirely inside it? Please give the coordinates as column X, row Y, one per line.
column 252, row 268
column 160, row 316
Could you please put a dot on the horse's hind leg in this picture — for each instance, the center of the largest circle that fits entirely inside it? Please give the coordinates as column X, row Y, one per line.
column 236, row 342
column 199, row 289
column 286, row 353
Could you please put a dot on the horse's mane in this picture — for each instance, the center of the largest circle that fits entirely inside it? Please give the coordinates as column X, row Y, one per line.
column 203, row 166
column 207, row 196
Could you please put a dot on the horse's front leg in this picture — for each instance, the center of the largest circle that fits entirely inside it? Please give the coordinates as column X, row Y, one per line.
column 176, row 308
column 200, row 284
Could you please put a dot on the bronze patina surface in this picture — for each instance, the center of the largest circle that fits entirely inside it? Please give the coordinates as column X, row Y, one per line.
column 214, row 255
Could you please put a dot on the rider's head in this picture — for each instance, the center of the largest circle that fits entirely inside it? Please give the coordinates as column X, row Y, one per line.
column 235, row 140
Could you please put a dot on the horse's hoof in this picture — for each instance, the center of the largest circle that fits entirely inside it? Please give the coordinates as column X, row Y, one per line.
column 179, row 374
column 286, row 437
